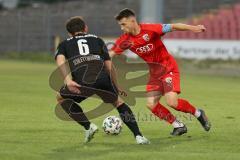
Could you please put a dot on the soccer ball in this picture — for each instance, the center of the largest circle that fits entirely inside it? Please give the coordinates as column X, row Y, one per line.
column 112, row 125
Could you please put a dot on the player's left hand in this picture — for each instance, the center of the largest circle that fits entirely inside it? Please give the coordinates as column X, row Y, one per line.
column 199, row 28
column 122, row 92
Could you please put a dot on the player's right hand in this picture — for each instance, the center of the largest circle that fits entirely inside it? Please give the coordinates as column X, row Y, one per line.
column 199, row 28
column 73, row 86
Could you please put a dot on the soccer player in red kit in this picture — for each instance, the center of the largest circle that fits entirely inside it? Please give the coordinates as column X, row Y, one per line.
column 144, row 40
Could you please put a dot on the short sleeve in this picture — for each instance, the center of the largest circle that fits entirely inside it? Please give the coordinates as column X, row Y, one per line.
column 155, row 27
column 61, row 50
column 121, row 44
column 104, row 50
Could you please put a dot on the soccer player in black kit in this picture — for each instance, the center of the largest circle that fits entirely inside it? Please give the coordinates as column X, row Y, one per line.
column 91, row 72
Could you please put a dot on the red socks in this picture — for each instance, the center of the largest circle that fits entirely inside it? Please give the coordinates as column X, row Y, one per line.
column 185, row 106
column 163, row 113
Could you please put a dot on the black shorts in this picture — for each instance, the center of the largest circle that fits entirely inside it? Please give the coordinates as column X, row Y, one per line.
column 103, row 87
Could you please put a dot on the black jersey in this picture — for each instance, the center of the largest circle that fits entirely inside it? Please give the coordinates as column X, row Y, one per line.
column 86, row 54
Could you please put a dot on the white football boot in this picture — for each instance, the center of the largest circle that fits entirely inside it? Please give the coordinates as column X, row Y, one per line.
column 142, row 140
column 90, row 132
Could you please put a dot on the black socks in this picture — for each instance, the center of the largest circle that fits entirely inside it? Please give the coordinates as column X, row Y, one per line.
column 75, row 112
column 128, row 118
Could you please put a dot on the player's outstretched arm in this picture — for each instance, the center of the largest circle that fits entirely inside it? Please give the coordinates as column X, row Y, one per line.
column 64, row 68
column 185, row 27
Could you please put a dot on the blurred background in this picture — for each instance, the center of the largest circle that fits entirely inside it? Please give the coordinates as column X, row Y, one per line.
column 32, row 29
column 38, row 25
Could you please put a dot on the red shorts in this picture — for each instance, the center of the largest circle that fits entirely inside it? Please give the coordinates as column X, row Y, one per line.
column 166, row 83
column 164, row 76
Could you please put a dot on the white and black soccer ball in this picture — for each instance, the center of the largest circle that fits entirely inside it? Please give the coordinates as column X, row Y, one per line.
column 112, row 125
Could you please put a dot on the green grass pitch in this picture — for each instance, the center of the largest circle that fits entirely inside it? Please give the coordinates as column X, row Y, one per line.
column 30, row 130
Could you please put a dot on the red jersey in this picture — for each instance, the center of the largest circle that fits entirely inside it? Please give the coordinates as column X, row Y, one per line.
column 149, row 46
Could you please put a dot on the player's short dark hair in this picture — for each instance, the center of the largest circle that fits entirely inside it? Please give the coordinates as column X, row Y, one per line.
column 125, row 13
column 75, row 24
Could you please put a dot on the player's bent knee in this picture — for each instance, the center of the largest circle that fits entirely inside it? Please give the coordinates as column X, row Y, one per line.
column 118, row 103
column 151, row 105
column 59, row 99
column 172, row 103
